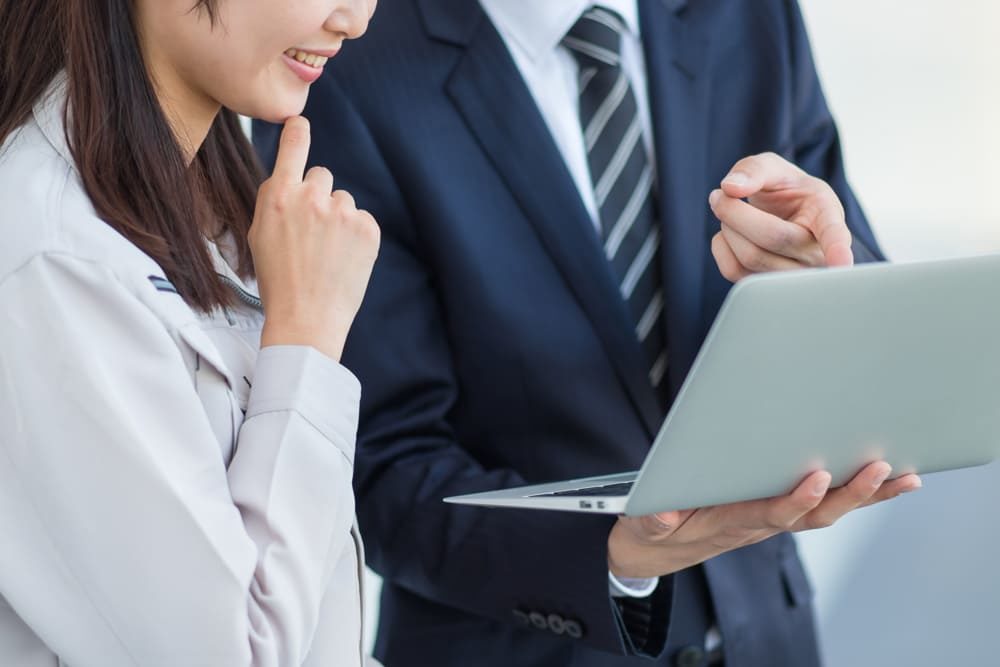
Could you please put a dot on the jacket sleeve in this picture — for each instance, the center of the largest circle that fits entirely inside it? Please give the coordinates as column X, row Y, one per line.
column 817, row 140
column 126, row 540
column 515, row 566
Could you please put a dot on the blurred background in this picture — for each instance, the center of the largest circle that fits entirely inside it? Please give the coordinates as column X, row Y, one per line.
column 915, row 87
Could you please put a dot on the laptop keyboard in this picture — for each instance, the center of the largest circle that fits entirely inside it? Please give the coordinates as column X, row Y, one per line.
column 620, row 489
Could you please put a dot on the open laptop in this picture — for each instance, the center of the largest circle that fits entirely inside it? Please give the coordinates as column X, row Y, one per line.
column 820, row 369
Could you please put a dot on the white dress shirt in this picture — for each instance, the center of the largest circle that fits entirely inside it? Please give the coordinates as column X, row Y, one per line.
column 533, row 33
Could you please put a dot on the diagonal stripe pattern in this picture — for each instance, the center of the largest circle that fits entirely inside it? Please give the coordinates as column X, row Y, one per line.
column 622, row 178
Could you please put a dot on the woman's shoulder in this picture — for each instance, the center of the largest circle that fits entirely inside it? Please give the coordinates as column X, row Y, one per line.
column 47, row 211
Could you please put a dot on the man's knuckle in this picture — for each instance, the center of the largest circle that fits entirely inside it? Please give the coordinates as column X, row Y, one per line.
column 754, row 259
column 819, row 521
column 784, row 238
column 780, row 521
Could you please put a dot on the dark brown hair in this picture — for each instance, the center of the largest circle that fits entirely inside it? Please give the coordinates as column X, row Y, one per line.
column 129, row 160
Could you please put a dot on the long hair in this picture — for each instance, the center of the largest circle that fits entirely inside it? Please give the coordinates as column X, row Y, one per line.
column 129, row 160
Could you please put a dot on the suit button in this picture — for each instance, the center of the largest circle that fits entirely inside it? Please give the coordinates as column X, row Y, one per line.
column 521, row 617
column 557, row 624
column 689, row 656
column 573, row 629
column 538, row 620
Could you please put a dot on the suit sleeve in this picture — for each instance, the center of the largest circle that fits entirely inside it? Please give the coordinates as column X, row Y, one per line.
column 517, row 567
column 817, row 141
column 126, row 539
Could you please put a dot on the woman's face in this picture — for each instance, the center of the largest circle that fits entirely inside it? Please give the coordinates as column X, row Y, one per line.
column 251, row 59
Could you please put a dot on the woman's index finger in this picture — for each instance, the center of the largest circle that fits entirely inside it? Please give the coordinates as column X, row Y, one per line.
column 293, row 150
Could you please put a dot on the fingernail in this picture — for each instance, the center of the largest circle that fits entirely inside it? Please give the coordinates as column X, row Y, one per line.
column 713, row 197
column 881, row 477
column 660, row 520
column 920, row 485
column 821, row 487
column 737, row 178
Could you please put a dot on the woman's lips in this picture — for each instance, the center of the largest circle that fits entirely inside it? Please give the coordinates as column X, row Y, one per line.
column 307, row 65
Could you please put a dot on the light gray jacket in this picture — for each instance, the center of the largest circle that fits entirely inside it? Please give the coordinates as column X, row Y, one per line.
column 144, row 518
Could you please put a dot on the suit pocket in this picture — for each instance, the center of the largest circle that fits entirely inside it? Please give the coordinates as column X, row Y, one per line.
column 798, row 590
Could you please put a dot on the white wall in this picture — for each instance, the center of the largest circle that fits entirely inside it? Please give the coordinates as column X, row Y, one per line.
column 915, row 87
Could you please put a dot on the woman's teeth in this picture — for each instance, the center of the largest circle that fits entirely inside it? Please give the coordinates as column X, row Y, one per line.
column 310, row 59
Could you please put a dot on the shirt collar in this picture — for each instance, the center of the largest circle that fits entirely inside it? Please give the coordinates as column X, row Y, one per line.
column 537, row 26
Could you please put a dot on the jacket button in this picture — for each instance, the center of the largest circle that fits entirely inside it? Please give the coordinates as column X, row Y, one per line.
column 689, row 656
column 557, row 624
column 538, row 620
column 573, row 629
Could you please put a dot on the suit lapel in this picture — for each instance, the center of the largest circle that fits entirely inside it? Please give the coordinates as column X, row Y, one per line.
column 676, row 52
column 488, row 91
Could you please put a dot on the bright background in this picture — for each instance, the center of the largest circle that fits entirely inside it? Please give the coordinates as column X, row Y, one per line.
column 915, row 87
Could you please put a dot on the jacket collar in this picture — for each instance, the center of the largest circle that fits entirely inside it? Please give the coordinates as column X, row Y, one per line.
column 488, row 91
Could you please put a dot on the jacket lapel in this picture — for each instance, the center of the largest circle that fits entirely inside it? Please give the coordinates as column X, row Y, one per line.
column 676, row 51
column 488, row 91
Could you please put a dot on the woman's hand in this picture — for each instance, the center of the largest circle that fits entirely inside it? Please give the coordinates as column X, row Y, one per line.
column 313, row 250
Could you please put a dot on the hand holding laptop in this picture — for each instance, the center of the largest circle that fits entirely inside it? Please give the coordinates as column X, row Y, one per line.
column 790, row 220
column 659, row 544
column 809, row 386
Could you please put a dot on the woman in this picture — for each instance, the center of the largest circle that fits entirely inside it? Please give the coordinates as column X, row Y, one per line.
column 168, row 495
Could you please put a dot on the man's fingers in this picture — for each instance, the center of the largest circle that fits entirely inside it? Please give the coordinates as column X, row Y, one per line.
column 757, row 259
column 293, row 150
column 786, row 510
column 856, row 493
column 829, row 225
column 823, row 214
column 654, row 527
column 725, row 258
column 766, row 230
column 839, row 253
column 766, row 171
column 895, row 487
column 779, row 514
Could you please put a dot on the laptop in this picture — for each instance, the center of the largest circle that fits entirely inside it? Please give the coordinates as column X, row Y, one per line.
column 817, row 369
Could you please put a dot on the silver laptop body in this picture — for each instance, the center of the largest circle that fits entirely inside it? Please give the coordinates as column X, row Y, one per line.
column 821, row 369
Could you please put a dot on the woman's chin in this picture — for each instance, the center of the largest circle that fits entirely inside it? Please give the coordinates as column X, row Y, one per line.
column 276, row 109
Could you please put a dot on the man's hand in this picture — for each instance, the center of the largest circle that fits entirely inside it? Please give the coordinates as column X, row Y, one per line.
column 777, row 217
column 660, row 544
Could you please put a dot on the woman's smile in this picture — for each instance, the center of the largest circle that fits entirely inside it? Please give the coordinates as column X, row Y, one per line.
column 307, row 65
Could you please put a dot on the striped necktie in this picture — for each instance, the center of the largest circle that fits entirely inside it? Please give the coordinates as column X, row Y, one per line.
column 622, row 177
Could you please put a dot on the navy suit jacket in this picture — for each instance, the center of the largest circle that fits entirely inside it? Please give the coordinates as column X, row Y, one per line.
column 494, row 348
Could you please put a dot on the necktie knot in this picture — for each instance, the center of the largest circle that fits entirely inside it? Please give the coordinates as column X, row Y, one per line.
column 595, row 39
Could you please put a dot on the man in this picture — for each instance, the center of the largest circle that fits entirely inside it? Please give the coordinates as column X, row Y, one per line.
column 549, row 268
